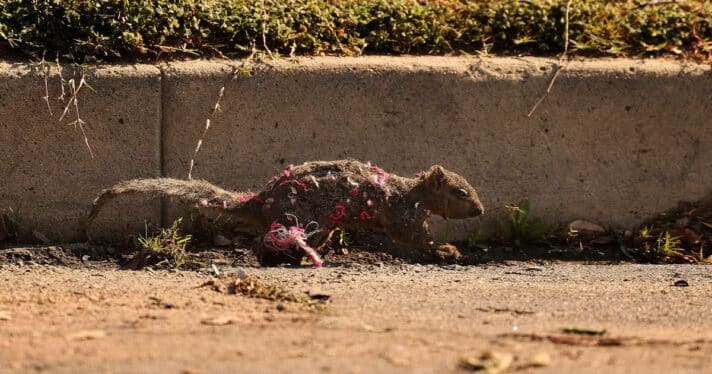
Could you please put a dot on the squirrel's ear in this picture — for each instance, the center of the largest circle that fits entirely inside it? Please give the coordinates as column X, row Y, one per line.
column 436, row 176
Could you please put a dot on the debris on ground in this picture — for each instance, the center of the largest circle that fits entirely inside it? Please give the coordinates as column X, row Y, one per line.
column 583, row 331
column 157, row 301
column 87, row 335
column 594, row 340
column 219, row 321
column 505, row 310
column 582, row 225
column 370, row 328
column 245, row 285
column 5, row 316
column 215, row 270
column 488, row 362
column 680, row 235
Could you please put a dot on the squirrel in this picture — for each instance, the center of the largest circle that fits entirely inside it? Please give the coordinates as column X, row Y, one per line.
column 299, row 209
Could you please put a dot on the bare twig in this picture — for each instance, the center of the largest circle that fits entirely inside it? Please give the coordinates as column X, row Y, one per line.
column 217, row 107
column 563, row 61
column 264, row 32
column 558, row 70
column 73, row 97
column 254, row 50
column 655, row 2
column 566, row 31
column 236, row 73
column 331, row 28
column 78, row 122
column 197, row 148
column 45, row 75
column 216, row 51
column 61, row 79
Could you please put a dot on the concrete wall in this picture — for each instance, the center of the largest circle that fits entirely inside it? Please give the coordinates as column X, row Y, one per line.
column 615, row 142
column 45, row 168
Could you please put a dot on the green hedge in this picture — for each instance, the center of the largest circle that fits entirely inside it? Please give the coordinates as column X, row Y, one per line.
column 85, row 30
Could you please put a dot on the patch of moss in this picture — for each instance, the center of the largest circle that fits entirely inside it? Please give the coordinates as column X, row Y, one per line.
column 119, row 29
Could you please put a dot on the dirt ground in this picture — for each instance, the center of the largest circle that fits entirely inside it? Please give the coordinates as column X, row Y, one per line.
column 381, row 316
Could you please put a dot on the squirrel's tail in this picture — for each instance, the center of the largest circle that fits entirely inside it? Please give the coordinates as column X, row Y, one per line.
column 195, row 192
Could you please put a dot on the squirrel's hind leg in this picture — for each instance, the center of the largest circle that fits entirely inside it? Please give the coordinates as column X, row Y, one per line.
column 420, row 239
column 270, row 256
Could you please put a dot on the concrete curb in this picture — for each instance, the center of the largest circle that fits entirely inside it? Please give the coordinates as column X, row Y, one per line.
column 616, row 141
column 45, row 168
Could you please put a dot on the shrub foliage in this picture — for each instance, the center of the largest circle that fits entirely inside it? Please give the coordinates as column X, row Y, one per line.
column 85, row 30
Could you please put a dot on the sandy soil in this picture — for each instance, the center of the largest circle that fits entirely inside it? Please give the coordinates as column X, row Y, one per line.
column 388, row 318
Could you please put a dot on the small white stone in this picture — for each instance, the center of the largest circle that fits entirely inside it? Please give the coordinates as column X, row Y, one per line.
column 241, row 273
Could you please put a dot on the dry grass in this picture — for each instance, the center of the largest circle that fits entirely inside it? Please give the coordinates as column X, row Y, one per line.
column 165, row 248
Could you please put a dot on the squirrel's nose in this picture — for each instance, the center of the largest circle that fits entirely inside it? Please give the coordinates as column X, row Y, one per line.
column 478, row 210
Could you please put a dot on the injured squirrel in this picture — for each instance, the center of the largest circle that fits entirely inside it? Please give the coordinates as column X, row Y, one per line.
column 298, row 210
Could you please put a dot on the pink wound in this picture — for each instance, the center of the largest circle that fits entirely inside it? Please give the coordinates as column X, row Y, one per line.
column 379, row 177
column 249, row 196
column 246, row 197
column 338, row 214
column 288, row 171
column 366, row 216
column 294, row 182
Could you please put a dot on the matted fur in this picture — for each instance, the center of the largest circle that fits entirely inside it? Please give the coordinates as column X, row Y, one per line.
column 344, row 193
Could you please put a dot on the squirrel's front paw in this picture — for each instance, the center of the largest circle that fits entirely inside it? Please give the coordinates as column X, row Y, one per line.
column 448, row 252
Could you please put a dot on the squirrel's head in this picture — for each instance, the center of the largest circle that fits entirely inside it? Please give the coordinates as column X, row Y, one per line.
column 449, row 194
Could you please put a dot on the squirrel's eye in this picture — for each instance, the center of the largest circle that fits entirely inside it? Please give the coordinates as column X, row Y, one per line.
column 461, row 192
